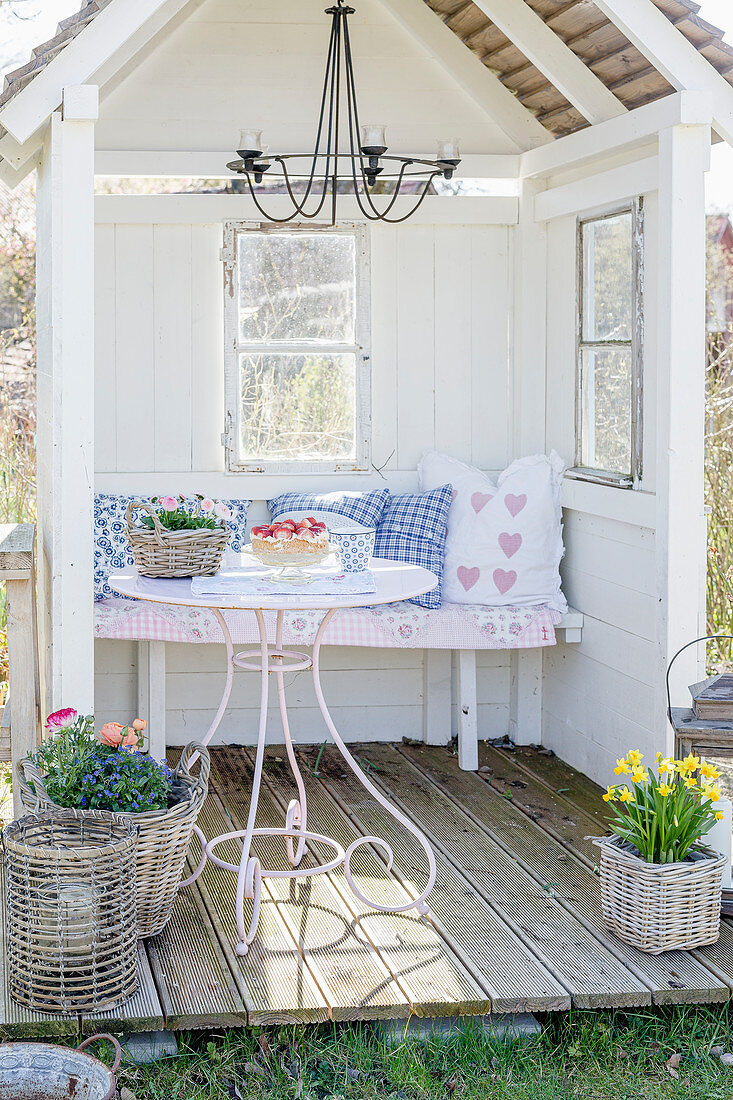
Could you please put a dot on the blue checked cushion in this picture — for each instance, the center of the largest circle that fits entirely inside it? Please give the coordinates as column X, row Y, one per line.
column 413, row 529
column 364, row 508
column 112, row 550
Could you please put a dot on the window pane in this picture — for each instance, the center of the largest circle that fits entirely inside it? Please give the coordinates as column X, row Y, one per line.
column 297, row 407
column 607, row 408
column 297, row 287
column 607, row 279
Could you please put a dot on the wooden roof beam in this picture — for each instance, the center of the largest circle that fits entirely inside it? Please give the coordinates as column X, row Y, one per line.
column 667, row 49
column 549, row 53
column 483, row 87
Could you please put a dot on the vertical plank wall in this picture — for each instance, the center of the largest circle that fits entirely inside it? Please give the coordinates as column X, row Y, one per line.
column 440, row 364
column 599, row 697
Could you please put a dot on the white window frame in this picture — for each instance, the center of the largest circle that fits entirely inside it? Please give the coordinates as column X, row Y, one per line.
column 361, row 349
column 633, row 479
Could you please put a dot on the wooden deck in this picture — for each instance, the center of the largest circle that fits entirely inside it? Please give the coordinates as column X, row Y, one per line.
column 515, row 920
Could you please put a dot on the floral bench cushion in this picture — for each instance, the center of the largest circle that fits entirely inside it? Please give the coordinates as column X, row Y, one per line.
column 392, row 626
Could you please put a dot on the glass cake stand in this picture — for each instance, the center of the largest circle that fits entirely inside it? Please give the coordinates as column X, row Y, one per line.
column 288, row 568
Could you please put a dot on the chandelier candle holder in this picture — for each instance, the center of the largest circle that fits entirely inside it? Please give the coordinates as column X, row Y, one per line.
column 327, row 167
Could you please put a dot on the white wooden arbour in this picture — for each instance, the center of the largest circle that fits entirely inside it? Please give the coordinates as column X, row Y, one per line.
column 48, row 119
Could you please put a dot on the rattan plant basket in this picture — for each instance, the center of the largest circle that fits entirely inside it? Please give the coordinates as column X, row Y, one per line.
column 661, row 906
column 163, row 553
column 164, row 836
column 71, row 913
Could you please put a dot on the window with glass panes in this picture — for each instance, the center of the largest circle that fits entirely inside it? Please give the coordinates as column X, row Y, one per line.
column 296, row 341
column 610, row 344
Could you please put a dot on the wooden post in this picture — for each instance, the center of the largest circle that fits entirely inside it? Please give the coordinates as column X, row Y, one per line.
column 436, row 702
column 467, row 711
column 151, row 694
column 17, row 570
column 684, row 157
column 65, row 308
column 525, row 697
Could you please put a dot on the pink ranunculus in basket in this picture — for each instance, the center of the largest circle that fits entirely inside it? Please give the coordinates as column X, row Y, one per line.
column 169, row 503
column 223, row 511
column 111, row 734
column 61, row 719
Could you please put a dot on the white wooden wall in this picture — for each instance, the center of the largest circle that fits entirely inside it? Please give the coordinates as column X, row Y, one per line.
column 440, row 378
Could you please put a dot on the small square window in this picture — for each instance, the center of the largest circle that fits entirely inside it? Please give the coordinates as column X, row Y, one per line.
column 610, row 346
column 297, row 324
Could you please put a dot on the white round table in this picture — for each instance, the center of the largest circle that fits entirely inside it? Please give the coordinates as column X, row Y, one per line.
column 394, row 581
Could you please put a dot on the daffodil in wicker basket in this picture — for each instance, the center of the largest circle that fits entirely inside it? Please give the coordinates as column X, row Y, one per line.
column 109, row 770
column 660, row 885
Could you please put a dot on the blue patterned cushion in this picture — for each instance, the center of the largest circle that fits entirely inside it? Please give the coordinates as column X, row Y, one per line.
column 413, row 530
column 112, row 550
column 365, row 508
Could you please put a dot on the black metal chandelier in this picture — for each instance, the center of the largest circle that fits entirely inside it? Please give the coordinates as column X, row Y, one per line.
column 366, row 159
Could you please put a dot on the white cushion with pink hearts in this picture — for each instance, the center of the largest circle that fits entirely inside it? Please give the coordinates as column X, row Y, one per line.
column 504, row 542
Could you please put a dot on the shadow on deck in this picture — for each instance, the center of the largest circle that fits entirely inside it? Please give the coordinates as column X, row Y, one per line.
column 514, row 925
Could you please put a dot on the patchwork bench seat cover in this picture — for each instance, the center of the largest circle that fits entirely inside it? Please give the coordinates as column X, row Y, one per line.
column 390, row 626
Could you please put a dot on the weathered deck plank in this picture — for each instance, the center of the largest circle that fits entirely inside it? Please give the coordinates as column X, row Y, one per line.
column 353, row 978
column 675, row 977
column 273, row 980
column 593, row 974
column 195, row 984
column 434, row 975
column 520, row 983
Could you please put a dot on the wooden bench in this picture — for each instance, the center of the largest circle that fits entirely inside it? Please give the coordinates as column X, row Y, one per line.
column 450, row 637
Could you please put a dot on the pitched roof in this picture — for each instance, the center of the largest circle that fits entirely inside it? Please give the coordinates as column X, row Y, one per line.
column 580, row 25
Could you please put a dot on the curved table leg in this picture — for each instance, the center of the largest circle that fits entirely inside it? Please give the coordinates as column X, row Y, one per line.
column 227, row 685
column 419, row 902
column 297, row 813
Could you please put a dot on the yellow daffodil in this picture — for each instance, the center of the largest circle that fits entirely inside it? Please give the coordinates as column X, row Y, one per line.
column 622, row 768
column 713, row 793
column 709, row 771
column 666, row 764
column 690, row 781
column 610, row 794
column 718, row 816
column 640, row 775
column 665, row 789
column 690, row 764
column 635, row 757
column 626, row 795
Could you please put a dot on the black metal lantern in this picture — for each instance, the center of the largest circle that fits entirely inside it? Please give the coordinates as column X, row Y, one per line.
column 366, row 159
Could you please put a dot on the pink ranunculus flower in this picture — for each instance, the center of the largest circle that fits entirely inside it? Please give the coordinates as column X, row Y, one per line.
column 111, row 734
column 169, row 503
column 139, row 724
column 207, row 505
column 61, row 719
column 222, row 510
column 130, row 740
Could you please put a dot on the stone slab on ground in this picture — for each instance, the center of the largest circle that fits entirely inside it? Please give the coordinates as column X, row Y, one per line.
column 144, row 1047
column 519, row 1025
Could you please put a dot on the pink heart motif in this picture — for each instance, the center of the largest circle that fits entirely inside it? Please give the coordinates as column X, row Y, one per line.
column 504, row 580
column 453, row 495
column 468, row 577
column 515, row 503
column 510, row 543
column 480, row 500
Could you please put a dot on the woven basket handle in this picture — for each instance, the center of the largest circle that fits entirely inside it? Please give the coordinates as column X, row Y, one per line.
column 195, row 748
column 26, row 770
column 143, row 506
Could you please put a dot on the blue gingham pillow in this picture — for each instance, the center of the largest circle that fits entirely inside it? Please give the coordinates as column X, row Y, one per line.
column 413, row 530
column 112, row 550
column 364, row 508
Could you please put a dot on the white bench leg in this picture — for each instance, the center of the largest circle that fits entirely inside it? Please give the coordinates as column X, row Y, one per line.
column 436, row 699
column 467, row 711
column 525, row 701
column 151, row 694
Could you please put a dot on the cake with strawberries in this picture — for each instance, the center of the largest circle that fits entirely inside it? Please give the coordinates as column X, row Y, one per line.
column 290, row 542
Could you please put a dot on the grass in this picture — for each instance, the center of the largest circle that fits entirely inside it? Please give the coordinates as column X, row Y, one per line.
column 586, row 1055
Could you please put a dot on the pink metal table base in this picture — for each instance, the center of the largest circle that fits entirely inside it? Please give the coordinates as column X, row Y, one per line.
column 277, row 661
